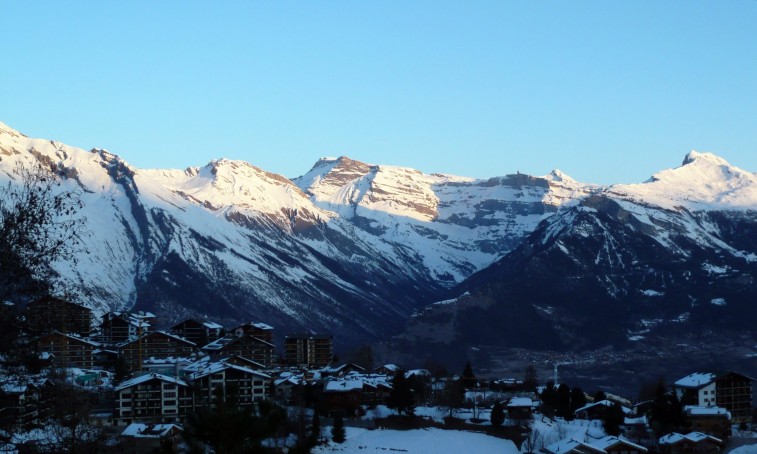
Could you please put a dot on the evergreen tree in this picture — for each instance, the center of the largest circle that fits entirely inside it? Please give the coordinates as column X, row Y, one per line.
column 497, row 415
column 401, row 397
column 577, row 399
column 562, row 407
column 548, row 398
column 454, row 395
column 613, row 419
column 530, row 379
column 599, row 395
column 468, row 378
column 338, row 433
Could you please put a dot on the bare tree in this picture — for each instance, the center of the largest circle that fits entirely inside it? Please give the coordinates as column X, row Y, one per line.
column 533, row 441
column 39, row 224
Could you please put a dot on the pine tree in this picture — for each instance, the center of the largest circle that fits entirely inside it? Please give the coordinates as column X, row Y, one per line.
column 338, row 433
column 468, row 378
column 530, row 379
column 498, row 414
column 401, row 397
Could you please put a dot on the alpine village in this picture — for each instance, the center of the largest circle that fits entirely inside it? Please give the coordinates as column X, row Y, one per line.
column 126, row 383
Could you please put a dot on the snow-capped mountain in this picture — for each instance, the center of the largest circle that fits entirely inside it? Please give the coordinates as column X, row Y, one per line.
column 678, row 252
column 355, row 248
column 355, row 251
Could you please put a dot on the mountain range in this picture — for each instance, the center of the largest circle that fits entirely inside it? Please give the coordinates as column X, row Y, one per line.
column 371, row 251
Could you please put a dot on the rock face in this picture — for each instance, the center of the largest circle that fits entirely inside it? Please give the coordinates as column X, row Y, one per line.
column 674, row 254
column 356, row 249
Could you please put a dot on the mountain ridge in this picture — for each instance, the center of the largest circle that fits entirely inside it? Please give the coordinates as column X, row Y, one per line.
column 356, row 248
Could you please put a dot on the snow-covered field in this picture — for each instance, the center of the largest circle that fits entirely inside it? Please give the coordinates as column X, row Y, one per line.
column 422, row 441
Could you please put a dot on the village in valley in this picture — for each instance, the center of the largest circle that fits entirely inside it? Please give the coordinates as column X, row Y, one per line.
column 73, row 383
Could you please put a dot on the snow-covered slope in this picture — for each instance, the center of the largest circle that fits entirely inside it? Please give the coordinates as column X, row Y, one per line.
column 676, row 252
column 355, row 248
column 457, row 225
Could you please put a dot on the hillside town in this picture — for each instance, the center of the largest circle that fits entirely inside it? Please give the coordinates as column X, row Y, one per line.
column 73, row 383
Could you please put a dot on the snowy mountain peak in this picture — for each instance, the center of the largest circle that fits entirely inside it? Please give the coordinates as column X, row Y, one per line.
column 709, row 158
column 558, row 175
column 704, row 182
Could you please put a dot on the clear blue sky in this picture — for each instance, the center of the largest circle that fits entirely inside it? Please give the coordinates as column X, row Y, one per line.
column 607, row 91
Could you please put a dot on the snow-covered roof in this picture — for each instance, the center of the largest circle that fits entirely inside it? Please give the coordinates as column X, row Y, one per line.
column 520, row 402
column 611, row 440
column 564, row 445
column 219, row 366
column 641, row 420
column 418, row 372
column 605, row 403
column 139, row 430
column 695, row 380
column 74, row 337
column 343, row 385
column 696, row 437
column 357, row 381
column 147, row 377
column 212, row 325
column 696, row 410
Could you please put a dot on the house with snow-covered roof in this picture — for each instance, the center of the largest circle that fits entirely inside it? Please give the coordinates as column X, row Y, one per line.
column 698, row 442
column 715, row 421
column 346, row 396
column 221, row 381
column 246, row 346
column 153, row 398
column 605, row 445
column 201, row 333
column 138, row 437
column 729, row 390
column 156, row 344
column 598, row 410
column 69, row 350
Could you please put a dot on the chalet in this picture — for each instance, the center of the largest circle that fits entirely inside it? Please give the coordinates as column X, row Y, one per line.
column 598, row 410
column 220, row 381
column 138, row 438
column 246, row 346
column 520, row 408
column 286, row 388
column 50, row 314
column 156, row 344
column 153, row 398
column 605, row 445
column 124, row 326
column 387, row 369
column 729, row 390
column 68, row 350
column 694, row 442
column 259, row 330
column 346, row 396
column 715, row 421
column 638, row 430
column 201, row 333
column 308, row 350
column 341, row 370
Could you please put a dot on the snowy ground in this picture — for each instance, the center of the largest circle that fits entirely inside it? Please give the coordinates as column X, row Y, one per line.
column 749, row 449
column 422, row 441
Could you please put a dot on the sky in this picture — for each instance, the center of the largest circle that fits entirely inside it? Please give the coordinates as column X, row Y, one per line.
column 606, row 91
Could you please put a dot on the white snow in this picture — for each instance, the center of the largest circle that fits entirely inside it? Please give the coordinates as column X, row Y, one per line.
column 421, row 441
column 718, row 302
